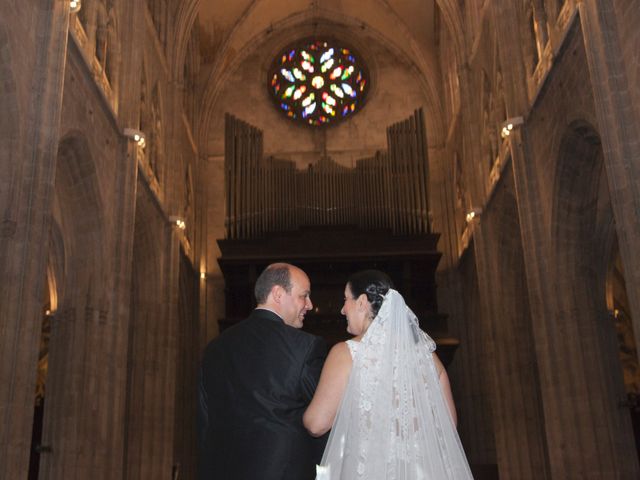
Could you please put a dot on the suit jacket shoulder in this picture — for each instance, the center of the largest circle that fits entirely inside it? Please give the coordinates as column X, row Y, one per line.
column 256, row 380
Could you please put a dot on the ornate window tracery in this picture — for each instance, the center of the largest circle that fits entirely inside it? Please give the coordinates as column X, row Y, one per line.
column 318, row 82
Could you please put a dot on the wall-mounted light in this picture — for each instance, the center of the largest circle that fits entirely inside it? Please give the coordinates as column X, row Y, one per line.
column 473, row 214
column 74, row 6
column 509, row 125
column 203, row 275
column 178, row 222
column 135, row 135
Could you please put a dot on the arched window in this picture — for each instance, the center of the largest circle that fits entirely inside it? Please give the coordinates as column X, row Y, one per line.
column 318, row 82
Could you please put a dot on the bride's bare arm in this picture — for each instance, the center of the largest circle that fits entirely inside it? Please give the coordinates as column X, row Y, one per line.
column 446, row 388
column 319, row 416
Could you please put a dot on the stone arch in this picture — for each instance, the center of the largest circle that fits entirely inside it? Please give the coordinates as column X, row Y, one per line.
column 80, row 207
column 581, row 218
column 453, row 19
column 183, row 25
column 56, row 264
column 77, row 255
column 306, row 23
column 576, row 195
column 51, row 295
column 188, row 12
column 188, row 78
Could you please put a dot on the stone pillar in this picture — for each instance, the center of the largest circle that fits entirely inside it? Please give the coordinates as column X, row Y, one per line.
column 152, row 353
column 470, row 371
column 619, row 120
column 87, row 383
column 583, row 437
column 129, row 62
column 513, row 377
column 39, row 58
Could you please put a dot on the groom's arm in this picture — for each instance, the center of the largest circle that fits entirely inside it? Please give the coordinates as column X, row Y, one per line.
column 312, row 367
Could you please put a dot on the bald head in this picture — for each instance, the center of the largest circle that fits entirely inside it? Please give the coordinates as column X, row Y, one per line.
column 275, row 274
column 285, row 289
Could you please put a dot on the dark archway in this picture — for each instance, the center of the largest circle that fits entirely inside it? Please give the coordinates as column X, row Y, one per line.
column 75, row 366
column 581, row 218
column 51, row 294
column 620, row 314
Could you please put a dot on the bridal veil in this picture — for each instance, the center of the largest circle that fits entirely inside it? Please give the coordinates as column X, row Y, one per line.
column 393, row 422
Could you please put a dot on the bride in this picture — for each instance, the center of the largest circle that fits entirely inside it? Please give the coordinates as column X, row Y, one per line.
column 385, row 395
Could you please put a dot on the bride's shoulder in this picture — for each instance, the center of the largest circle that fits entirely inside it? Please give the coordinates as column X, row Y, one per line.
column 340, row 347
column 340, row 353
column 353, row 345
column 439, row 366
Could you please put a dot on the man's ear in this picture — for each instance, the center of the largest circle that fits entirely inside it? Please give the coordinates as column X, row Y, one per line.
column 276, row 293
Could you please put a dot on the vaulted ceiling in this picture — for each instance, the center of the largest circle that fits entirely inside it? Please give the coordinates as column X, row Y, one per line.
column 398, row 39
column 227, row 26
column 230, row 31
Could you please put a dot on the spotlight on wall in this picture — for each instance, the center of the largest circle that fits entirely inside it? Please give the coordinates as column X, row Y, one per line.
column 509, row 125
column 178, row 222
column 473, row 214
column 74, row 6
column 135, row 135
column 203, row 275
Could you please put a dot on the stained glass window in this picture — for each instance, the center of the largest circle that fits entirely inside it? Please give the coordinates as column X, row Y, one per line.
column 318, row 82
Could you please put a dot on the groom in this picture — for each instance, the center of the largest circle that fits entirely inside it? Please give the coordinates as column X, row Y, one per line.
column 256, row 380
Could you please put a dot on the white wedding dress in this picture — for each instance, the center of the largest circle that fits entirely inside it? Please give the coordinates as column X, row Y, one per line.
column 393, row 422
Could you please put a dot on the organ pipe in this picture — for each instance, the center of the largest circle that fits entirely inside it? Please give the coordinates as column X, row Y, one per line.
column 386, row 191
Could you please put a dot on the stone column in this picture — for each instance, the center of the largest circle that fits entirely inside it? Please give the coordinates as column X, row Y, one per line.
column 471, row 367
column 39, row 57
column 583, row 439
column 619, row 120
column 152, row 352
column 131, row 30
column 513, row 377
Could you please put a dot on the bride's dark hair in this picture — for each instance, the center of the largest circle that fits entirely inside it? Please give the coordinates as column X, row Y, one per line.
column 374, row 284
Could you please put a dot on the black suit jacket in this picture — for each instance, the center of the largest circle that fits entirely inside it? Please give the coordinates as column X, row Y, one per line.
column 256, row 380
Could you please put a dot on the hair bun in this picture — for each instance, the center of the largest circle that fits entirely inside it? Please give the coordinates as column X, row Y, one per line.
column 374, row 284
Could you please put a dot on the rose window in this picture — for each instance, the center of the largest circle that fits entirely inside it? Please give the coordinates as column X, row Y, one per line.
column 318, row 82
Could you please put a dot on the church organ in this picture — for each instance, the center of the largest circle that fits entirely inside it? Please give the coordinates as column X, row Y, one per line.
column 331, row 221
column 388, row 190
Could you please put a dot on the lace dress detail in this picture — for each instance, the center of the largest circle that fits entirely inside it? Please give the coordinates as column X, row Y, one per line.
column 393, row 422
column 353, row 347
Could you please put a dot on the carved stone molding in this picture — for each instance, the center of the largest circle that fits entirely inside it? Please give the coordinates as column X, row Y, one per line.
column 98, row 75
